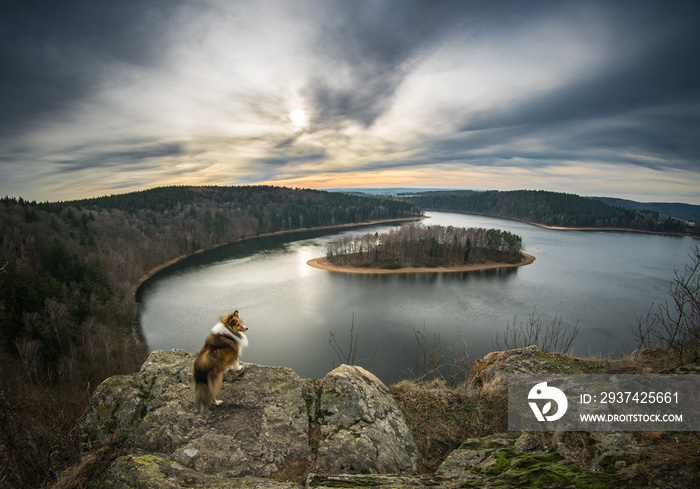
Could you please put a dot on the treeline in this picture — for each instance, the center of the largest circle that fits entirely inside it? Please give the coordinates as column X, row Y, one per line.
column 414, row 245
column 68, row 317
column 264, row 208
column 549, row 209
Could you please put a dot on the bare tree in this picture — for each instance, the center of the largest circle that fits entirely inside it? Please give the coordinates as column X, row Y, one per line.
column 88, row 332
column 29, row 354
column 675, row 324
column 555, row 336
column 433, row 361
column 58, row 323
column 108, row 343
column 349, row 357
column 427, row 356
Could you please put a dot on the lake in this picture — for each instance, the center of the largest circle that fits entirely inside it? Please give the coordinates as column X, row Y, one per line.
column 599, row 280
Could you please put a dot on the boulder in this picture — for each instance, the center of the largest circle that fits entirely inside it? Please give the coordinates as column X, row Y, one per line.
column 362, row 428
column 489, row 375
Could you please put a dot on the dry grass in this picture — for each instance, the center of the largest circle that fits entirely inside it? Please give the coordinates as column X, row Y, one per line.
column 293, row 470
column 666, row 452
column 440, row 418
column 655, row 360
column 92, row 467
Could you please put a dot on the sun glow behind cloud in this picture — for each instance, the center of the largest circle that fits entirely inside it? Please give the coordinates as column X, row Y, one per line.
column 299, row 119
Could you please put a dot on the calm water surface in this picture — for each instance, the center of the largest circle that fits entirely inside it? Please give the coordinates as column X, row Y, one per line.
column 600, row 280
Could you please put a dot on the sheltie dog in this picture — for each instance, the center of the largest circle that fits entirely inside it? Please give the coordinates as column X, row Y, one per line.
column 220, row 353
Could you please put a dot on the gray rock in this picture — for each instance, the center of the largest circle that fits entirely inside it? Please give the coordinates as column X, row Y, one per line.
column 263, row 423
column 528, row 442
column 489, row 374
column 117, row 405
column 362, row 428
column 491, row 462
column 369, row 481
column 157, row 472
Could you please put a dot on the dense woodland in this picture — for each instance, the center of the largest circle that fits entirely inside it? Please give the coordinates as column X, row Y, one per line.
column 549, row 209
column 68, row 317
column 414, row 245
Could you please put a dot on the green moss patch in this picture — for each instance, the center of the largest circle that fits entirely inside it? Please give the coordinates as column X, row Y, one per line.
column 515, row 469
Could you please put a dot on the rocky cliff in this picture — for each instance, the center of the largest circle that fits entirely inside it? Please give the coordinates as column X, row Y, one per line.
column 345, row 430
column 270, row 421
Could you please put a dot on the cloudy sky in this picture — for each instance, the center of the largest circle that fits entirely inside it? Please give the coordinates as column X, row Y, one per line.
column 594, row 98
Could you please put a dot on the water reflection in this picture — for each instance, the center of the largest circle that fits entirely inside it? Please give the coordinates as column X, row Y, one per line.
column 600, row 280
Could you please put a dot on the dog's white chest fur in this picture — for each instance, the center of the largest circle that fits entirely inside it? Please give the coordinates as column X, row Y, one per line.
column 240, row 338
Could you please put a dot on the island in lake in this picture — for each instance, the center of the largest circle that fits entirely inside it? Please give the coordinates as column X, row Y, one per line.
column 414, row 249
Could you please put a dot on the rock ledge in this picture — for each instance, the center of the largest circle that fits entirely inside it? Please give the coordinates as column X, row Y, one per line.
column 270, row 418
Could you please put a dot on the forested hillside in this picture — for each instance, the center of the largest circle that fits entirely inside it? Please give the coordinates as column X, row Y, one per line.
column 687, row 212
column 549, row 209
column 68, row 317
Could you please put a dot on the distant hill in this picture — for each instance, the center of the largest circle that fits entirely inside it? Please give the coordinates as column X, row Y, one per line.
column 549, row 209
column 387, row 191
column 686, row 212
column 258, row 208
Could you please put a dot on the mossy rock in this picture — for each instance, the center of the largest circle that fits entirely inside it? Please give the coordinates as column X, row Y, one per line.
column 494, row 461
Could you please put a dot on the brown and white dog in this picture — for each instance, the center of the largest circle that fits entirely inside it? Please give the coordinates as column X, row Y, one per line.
column 220, row 353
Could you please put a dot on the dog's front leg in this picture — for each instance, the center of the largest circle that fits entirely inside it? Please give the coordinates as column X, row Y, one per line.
column 236, row 367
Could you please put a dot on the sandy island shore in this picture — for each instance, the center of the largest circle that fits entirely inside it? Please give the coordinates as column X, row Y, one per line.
column 323, row 264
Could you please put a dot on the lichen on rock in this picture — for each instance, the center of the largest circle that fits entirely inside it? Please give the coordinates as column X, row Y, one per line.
column 362, row 428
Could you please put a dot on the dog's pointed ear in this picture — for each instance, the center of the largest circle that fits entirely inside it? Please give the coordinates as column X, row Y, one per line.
column 235, row 313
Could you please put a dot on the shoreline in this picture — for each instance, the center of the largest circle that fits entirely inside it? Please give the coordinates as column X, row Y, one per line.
column 322, row 263
column 149, row 274
column 616, row 230
column 564, row 228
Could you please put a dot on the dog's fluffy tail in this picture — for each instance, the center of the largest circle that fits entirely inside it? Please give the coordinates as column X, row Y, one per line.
column 203, row 396
column 203, row 391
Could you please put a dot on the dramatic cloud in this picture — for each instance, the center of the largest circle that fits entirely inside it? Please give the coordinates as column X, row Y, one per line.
column 596, row 98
